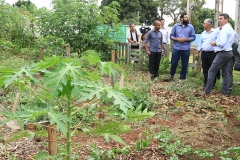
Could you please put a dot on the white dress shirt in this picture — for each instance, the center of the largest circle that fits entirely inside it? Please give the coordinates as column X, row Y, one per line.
column 165, row 34
column 206, row 39
column 225, row 38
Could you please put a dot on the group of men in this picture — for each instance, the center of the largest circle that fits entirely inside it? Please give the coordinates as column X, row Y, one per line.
column 216, row 45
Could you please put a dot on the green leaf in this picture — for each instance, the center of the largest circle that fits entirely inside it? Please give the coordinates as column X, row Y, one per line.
column 60, row 121
column 111, row 127
column 92, row 57
column 43, row 156
column 138, row 115
column 117, row 139
column 139, row 145
column 18, row 135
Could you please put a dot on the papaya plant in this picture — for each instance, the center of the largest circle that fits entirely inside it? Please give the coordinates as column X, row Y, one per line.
column 66, row 81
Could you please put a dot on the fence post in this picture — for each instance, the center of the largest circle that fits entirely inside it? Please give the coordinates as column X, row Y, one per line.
column 68, row 50
column 52, row 139
column 199, row 64
column 41, row 53
column 113, row 56
column 128, row 52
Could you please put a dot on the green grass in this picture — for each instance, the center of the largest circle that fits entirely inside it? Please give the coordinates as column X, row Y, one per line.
column 236, row 88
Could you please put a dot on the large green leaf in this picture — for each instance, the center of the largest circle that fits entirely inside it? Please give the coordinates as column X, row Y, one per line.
column 57, row 80
column 92, row 90
column 20, row 75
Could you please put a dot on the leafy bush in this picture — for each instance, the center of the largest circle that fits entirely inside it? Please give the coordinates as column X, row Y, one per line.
column 140, row 95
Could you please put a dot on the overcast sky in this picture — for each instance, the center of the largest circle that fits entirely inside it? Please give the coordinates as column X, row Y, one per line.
column 229, row 5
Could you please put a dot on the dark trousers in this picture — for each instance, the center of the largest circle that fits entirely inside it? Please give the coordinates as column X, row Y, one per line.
column 207, row 60
column 176, row 55
column 154, row 62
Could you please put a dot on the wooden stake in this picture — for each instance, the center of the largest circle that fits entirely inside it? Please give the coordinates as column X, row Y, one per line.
column 150, row 90
column 41, row 53
column 113, row 56
column 112, row 80
column 15, row 102
column 68, row 50
column 52, row 139
column 121, row 82
column 37, row 76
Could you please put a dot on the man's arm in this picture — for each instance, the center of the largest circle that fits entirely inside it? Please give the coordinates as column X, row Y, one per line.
column 173, row 34
column 192, row 36
column 129, row 40
column 222, row 39
column 162, row 45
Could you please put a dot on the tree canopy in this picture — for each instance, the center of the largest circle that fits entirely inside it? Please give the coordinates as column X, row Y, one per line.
column 131, row 10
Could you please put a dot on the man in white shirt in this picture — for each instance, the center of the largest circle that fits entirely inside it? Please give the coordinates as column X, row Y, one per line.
column 223, row 50
column 133, row 36
column 166, row 38
column 207, row 36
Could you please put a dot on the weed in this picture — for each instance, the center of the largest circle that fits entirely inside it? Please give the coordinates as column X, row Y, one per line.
column 143, row 143
column 174, row 148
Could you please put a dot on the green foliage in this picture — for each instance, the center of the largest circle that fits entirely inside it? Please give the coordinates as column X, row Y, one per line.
column 89, row 28
column 142, row 143
column 174, row 8
column 230, row 154
column 165, row 65
column 204, row 14
column 174, row 148
column 137, row 114
column 139, row 95
column 98, row 154
column 63, row 81
column 130, row 8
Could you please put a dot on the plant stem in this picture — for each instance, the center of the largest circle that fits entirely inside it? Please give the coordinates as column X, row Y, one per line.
column 69, row 126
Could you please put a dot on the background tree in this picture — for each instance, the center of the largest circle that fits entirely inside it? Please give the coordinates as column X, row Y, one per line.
column 82, row 24
column 147, row 10
column 206, row 13
column 174, row 8
column 31, row 7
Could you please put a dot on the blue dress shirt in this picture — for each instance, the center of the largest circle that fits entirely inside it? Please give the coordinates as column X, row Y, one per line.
column 156, row 40
column 206, row 39
column 180, row 31
column 225, row 38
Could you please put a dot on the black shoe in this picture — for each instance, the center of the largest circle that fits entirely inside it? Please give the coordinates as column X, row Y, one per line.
column 182, row 78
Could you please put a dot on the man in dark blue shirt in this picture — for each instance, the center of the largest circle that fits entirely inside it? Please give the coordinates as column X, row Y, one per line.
column 182, row 34
column 154, row 49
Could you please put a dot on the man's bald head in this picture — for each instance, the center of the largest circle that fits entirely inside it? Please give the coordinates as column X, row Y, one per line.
column 157, row 25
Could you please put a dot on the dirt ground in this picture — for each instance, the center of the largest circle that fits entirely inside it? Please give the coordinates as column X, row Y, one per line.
column 200, row 122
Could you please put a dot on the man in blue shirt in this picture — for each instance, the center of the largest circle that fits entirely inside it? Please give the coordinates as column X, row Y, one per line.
column 223, row 49
column 182, row 34
column 154, row 49
column 207, row 50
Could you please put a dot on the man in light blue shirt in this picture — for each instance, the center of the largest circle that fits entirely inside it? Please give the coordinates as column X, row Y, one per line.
column 223, row 49
column 182, row 34
column 207, row 50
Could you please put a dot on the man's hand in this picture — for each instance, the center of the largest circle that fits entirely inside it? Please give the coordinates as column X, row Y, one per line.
column 197, row 54
column 162, row 53
column 138, row 42
column 213, row 44
column 148, row 52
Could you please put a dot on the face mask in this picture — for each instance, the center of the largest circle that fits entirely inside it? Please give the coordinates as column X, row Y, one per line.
column 185, row 22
